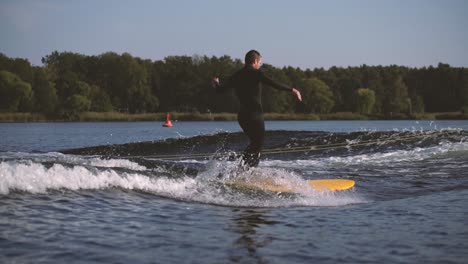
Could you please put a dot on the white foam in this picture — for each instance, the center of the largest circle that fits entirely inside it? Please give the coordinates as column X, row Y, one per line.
column 99, row 162
column 32, row 177
column 115, row 163
column 416, row 154
column 72, row 159
column 307, row 196
column 36, row 178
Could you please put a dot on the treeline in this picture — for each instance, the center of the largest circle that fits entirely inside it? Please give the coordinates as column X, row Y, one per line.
column 71, row 83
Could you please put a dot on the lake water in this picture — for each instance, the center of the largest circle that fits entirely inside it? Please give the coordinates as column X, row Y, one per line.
column 141, row 193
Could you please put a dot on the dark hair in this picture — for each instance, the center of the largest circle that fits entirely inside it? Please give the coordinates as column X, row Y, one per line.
column 251, row 56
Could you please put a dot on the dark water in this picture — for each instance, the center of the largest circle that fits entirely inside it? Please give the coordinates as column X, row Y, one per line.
column 137, row 193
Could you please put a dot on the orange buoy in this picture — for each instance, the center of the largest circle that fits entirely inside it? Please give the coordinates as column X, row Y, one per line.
column 168, row 121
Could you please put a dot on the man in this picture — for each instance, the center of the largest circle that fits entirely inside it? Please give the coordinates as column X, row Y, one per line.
column 247, row 83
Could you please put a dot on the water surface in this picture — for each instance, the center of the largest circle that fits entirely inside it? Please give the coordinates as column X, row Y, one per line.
column 139, row 193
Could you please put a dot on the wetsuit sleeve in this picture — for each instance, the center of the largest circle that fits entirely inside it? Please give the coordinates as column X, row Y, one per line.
column 221, row 88
column 267, row 80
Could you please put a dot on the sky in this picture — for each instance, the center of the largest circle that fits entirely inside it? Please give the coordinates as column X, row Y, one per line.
column 298, row 33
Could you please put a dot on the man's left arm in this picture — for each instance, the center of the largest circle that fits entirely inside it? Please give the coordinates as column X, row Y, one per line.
column 279, row 86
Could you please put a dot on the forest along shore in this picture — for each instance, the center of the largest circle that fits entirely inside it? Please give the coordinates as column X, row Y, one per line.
column 196, row 116
column 76, row 87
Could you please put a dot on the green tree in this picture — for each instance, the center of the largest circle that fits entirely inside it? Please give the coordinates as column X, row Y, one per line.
column 136, row 90
column 365, row 101
column 20, row 67
column 379, row 91
column 126, row 80
column 15, row 94
column 398, row 100
column 344, row 88
column 317, row 96
column 295, row 75
column 125, row 83
column 45, row 96
column 75, row 105
column 395, row 93
column 178, row 84
column 100, row 100
column 417, row 105
column 463, row 89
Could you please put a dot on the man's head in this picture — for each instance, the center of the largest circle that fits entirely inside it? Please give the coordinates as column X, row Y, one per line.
column 254, row 59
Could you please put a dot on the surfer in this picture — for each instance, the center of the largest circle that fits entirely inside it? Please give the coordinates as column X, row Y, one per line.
column 247, row 83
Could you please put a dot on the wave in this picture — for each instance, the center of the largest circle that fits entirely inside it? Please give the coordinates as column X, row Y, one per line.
column 207, row 187
column 379, row 158
column 291, row 157
column 283, row 144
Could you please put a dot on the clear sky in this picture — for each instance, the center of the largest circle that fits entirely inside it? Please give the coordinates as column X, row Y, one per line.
column 298, row 33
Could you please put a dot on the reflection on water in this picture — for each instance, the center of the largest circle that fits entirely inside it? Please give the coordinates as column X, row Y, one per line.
column 248, row 224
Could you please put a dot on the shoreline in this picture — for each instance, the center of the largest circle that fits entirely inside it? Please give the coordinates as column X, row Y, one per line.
column 185, row 116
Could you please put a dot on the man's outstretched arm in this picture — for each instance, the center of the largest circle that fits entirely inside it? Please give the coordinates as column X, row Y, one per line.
column 280, row 86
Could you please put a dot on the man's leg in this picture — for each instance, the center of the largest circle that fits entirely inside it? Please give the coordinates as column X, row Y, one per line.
column 254, row 128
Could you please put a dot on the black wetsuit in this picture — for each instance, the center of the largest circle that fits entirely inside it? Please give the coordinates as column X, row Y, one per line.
column 247, row 83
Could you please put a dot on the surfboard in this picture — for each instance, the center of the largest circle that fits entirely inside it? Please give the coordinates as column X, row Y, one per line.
column 269, row 185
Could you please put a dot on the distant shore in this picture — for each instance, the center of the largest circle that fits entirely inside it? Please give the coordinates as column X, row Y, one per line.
column 181, row 116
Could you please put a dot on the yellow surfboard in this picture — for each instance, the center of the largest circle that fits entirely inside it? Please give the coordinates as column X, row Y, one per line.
column 268, row 184
column 331, row 184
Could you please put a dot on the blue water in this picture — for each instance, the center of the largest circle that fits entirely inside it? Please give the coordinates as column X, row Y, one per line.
column 409, row 204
